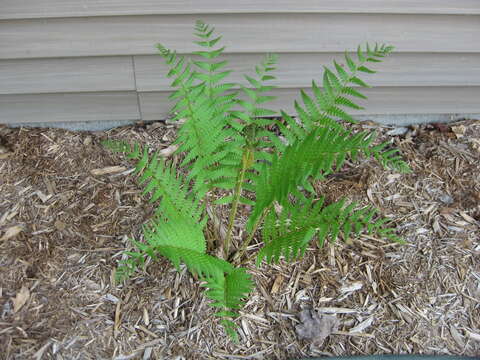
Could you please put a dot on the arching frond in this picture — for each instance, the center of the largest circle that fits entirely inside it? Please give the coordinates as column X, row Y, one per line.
column 288, row 234
column 330, row 104
column 319, row 153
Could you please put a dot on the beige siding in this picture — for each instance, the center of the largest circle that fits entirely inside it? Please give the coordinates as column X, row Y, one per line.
column 381, row 100
column 69, row 107
column 243, row 33
column 95, row 60
column 30, row 76
column 23, row 9
column 298, row 69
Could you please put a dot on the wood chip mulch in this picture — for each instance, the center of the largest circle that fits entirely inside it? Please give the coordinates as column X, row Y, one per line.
column 68, row 207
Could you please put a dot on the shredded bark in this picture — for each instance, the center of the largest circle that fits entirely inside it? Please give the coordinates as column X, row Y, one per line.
column 68, row 207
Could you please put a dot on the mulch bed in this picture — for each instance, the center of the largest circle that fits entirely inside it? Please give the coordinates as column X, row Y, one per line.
column 68, row 207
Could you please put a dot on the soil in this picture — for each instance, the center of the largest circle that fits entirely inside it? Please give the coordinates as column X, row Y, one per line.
column 68, row 207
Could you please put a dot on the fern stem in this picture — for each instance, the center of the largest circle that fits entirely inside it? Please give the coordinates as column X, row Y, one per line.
column 247, row 161
column 249, row 239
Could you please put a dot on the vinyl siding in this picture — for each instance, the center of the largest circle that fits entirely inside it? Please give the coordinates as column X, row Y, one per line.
column 95, row 60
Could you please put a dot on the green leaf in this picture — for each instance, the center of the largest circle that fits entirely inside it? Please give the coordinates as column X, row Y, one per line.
column 203, row 65
column 267, row 77
column 359, row 81
column 366, row 70
column 209, row 54
column 256, row 84
column 341, row 72
column 351, row 64
column 352, row 92
column 360, row 55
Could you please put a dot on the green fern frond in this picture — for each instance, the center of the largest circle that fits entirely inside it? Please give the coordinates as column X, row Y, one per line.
column 288, row 234
column 227, row 291
column 208, row 137
column 329, row 105
column 326, row 107
column 255, row 92
column 318, row 154
column 226, row 285
column 132, row 151
column 208, row 68
column 204, row 135
column 182, row 242
column 389, row 158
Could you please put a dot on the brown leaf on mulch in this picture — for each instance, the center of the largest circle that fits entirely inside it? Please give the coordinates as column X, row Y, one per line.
column 316, row 327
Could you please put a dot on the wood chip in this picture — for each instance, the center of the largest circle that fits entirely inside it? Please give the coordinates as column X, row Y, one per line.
column 20, row 299
column 336, row 310
column 60, row 225
column 362, row 326
column 473, row 336
column 468, row 218
column 11, row 232
column 350, row 287
column 118, row 319
column 457, row 337
column 44, row 198
column 277, row 284
column 146, row 318
column 107, row 170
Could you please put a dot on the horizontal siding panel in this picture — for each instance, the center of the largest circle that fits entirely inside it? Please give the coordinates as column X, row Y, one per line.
column 28, row 76
column 97, row 36
column 69, row 107
column 298, row 69
column 21, row 9
column 383, row 100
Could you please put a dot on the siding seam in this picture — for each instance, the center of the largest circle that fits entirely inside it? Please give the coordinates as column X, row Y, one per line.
column 136, row 88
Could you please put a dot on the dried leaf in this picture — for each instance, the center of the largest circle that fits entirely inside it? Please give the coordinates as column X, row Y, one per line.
column 169, row 150
column 20, row 299
column 316, row 327
column 12, row 232
column 459, row 131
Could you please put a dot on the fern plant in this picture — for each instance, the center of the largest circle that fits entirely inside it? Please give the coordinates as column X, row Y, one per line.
column 232, row 143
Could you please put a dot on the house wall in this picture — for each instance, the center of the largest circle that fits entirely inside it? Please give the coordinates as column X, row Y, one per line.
column 95, row 60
